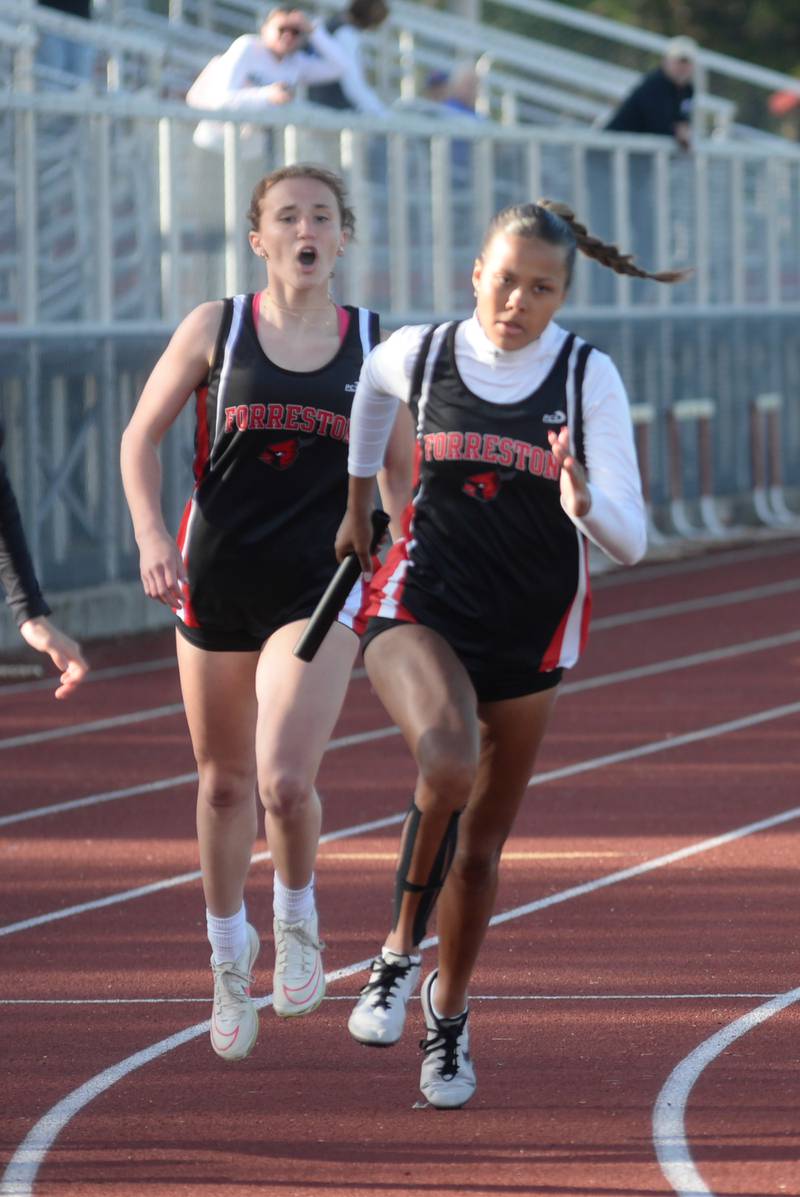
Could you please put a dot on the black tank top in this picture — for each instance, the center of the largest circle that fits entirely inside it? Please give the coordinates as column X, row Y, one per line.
column 271, row 475
column 491, row 557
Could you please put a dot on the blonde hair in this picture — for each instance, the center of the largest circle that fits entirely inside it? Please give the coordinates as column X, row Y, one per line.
column 557, row 224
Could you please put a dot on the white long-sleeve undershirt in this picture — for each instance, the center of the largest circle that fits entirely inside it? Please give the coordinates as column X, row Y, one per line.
column 616, row 521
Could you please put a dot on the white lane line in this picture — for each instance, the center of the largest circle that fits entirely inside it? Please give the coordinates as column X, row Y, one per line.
column 24, row 1165
column 110, row 673
column 57, row 808
column 598, row 625
column 154, row 887
column 730, row 652
column 165, row 783
column 704, row 733
column 648, row 571
column 593, row 683
column 727, row 599
column 97, row 725
column 85, row 729
column 669, row 1124
column 351, row 997
column 643, row 573
column 718, row 729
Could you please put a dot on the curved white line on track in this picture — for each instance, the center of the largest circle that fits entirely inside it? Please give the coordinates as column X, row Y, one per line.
column 729, row 652
column 598, row 762
column 24, row 1165
column 669, row 1123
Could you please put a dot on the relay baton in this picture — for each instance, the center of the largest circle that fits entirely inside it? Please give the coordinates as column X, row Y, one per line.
column 336, row 593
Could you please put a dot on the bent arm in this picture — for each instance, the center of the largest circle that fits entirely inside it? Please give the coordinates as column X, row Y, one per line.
column 395, row 476
column 179, row 371
column 329, row 62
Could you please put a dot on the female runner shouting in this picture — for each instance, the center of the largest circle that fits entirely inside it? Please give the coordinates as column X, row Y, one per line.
column 274, row 375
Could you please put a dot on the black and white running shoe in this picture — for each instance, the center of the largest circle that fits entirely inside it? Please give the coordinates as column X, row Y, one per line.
column 447, row 1078
column 379, row 1015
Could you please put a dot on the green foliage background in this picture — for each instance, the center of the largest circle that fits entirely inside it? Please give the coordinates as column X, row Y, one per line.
column 766, row 32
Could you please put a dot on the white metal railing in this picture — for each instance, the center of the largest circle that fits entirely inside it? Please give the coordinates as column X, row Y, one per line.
column 121, row 193
column 116, row 225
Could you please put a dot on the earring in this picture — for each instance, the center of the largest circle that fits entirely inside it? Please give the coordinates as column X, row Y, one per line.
column 340, row 252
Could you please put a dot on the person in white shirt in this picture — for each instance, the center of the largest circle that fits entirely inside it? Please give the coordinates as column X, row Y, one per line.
column 351, row 90
column 257, row 71
column 525, row 452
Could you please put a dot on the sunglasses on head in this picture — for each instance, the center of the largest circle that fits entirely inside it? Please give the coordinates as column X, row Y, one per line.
column 293, row 29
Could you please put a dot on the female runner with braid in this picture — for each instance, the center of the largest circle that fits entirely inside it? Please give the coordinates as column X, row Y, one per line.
column 524, row 453
column 274, row 375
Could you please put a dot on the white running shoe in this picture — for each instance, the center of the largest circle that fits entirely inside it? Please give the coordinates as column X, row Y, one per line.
column 298, row 983
column 379, row 1015
column 447, row 1078
column 234, row 1018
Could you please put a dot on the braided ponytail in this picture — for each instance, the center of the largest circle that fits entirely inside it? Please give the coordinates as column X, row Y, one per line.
column 606, row 255
column 556, row 224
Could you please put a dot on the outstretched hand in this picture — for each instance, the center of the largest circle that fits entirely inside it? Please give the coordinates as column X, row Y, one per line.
column 576, row 497
column 65, row 652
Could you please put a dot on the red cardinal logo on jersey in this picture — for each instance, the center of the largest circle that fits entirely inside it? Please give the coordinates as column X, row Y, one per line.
column 483, row 486
column 281, row 454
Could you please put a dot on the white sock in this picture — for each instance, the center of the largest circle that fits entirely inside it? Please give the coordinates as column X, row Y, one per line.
column 292, row 905
column 228, row 936
column 392, row 957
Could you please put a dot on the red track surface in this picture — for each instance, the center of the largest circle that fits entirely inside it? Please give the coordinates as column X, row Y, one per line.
column 582, row 1007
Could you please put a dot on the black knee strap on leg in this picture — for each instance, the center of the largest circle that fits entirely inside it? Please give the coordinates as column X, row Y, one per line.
column 428, row 892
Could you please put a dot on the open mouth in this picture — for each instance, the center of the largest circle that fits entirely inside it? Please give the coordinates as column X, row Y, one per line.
column 307, row 256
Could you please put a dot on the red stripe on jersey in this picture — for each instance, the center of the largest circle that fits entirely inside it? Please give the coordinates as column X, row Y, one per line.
column 383, row 579
column 188, row 617
column 396, row 559
column 202, row 440
column 553, row 652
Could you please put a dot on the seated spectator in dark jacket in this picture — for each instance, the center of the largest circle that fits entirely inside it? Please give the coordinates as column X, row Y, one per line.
column 662, row 101
column 351, row 89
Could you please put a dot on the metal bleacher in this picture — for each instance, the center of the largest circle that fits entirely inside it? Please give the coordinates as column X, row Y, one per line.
column 113, row 225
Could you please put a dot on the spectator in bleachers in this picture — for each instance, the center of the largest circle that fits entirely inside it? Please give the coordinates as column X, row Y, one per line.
column 785, row 106
column 453, row 94
column 661, row 102
column 351, row 89
column 258, row 70
column 63, row 54
column 456, row 91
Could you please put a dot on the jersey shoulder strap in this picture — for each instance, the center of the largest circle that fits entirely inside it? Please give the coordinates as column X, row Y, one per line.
column 222, row 335
column 580, row 371
column 369, row 329
column 418, row 373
